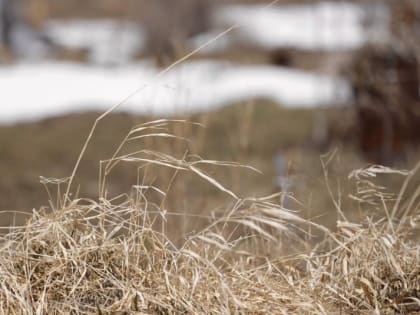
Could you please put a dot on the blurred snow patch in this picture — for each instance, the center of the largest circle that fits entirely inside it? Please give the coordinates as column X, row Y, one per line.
column 322, row 25
column 34, row 91
column 108, row 41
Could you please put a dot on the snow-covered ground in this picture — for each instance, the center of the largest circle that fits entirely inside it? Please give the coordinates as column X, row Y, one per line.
column 108, row 41
column 34, row 91
column 31, row 91
column 321, row 26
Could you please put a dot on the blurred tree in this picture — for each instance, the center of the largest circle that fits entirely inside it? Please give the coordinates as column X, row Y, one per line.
column 386, row 90
column 7, row 21
column 386, row 82
column 385, row 79
column 170, row 23
column 405, row 25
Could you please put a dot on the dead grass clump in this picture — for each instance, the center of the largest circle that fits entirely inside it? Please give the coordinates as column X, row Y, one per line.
column 113, row 256
column 375, row 270
column 98, row 258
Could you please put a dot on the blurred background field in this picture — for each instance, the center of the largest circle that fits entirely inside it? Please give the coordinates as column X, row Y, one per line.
column 295, row 81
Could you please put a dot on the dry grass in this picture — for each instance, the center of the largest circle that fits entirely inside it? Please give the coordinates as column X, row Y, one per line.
column 113, row 255
column 230, row 134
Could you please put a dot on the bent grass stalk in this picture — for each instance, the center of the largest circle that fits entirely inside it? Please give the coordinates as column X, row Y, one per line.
column 141, row 88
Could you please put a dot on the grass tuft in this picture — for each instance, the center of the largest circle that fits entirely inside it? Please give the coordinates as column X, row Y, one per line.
column 113, row 255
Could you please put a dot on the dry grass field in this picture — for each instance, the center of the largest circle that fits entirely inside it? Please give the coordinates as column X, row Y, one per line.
column 160, row 227
column 252, row 136
column 184, row 216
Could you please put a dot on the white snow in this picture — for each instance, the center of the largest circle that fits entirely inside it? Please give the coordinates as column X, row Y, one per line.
column 108, row 41
column 322, row 25
column 31, row 91
column 34, row 91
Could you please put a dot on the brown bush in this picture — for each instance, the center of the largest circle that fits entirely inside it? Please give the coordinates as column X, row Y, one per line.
column 385, row 84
